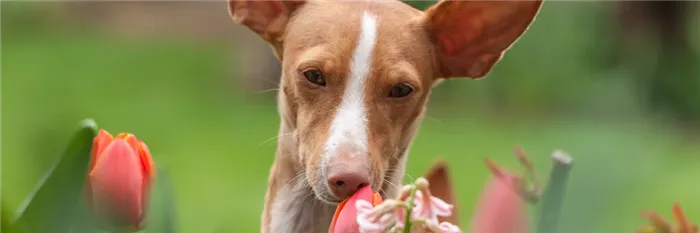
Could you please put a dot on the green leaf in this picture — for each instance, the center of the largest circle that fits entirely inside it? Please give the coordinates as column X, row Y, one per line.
column 56, row 205
column 161, row 217
column 5, row 225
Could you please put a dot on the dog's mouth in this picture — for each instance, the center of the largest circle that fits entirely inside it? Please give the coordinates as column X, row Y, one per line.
column 325, row 196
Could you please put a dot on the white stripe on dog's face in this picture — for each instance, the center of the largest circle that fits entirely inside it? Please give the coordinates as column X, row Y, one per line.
column 349, row 125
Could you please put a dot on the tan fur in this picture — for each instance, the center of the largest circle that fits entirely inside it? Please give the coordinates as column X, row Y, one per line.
column 411, row 47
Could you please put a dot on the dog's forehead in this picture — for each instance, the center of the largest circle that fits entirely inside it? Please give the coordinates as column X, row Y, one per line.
column 336, row 27
column 335, row 12
column 335, row 22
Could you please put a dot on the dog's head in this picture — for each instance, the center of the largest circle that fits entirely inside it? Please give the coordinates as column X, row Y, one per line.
column 356, row 75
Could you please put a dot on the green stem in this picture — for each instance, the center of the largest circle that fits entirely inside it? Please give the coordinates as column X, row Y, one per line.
column 404, row 205
column 551, row 201
column 409, row 209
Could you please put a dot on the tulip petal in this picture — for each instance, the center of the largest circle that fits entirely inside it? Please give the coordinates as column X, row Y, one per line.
column 377, row 199
column 117, row 184
column 148, row 167
column 100, row 143
column 500, row 209
column 146, row 160
column 345, row 219
column 337, row 214
column 131, row 140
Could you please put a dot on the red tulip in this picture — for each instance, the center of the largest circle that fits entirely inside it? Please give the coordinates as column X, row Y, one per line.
column 345, row 217
column 120, row 176
column 500, row 208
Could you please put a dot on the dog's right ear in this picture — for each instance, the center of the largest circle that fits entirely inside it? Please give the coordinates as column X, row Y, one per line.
column 470, row 37
column 266, row 18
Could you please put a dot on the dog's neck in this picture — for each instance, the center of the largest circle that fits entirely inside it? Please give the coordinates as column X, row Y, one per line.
column 291, row 202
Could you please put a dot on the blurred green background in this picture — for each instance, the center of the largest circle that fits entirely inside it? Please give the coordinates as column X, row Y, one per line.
column 615, row 84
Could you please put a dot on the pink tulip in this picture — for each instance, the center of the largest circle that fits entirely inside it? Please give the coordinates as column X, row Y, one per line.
column 500, row 208
column 346, row 214
column 121, row 173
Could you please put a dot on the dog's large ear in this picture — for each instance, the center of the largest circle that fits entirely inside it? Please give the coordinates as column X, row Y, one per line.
column 266, row 18
column 441, row 187
column 471, row 36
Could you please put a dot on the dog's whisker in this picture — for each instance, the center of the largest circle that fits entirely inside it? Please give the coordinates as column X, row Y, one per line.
column 267, row 90
column 272, row 82
column 409, row 177
column 300, row 175
column 273, row 138
column 392, row 169
column 305, row 184
column 404, row 175
column 391, row 183
column 268, row 140
column 433, row 119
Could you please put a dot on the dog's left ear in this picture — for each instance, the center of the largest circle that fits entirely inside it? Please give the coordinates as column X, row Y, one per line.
column 441, row 187
column 266, row 18
column 471, row 36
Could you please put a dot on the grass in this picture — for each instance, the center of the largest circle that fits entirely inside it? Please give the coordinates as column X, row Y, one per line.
column 178, row 97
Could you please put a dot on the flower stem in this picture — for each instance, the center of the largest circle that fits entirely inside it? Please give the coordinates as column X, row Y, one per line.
column 553, row 196
column 409, row 210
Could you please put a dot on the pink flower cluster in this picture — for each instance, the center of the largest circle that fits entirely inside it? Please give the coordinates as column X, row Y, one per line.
column 390, row 215
column 501, row 208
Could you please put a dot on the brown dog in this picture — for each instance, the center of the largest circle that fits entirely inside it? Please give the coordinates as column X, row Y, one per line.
column 355, row 80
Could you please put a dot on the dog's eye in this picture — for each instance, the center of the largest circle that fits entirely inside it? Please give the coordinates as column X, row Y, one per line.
column 400, row 90
column 315, row 77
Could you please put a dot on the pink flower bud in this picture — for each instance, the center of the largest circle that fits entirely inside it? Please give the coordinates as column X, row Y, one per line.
column 120, row 175
column 345, row 217
column 500, row 208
